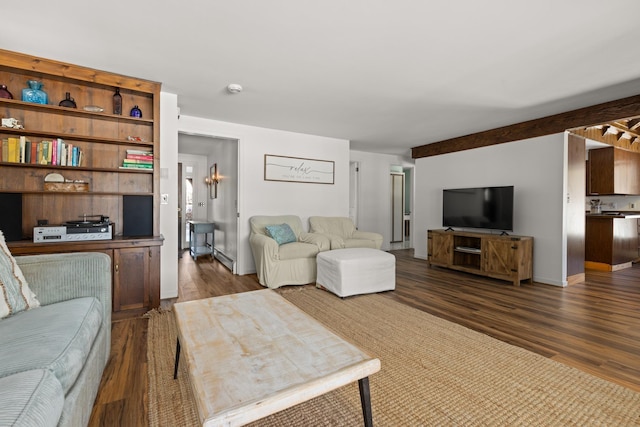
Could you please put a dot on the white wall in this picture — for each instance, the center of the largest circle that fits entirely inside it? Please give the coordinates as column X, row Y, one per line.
column 534, row 166
column 223, row 209
column 169, row 186
column 374, row 204
column 260, row 197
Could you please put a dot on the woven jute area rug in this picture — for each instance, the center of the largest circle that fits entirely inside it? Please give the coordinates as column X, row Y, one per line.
column 434, row 373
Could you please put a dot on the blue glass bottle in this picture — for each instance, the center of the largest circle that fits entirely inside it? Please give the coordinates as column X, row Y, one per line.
column 33, row 93
column 136, row 112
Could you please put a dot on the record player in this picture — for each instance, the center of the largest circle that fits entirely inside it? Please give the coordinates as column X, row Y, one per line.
column 75, row 231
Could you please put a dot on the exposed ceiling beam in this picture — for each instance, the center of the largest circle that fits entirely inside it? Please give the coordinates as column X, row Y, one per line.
column 558, row 123
column 634, row 124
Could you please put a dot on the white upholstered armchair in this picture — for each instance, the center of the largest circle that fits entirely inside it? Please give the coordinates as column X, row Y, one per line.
column 290, row 262
column 342, row 233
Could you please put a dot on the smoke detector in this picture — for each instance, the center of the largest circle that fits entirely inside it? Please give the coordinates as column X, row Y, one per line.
column 234, row 88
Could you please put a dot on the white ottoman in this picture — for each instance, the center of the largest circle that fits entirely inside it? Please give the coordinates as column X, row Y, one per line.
column 355, row 271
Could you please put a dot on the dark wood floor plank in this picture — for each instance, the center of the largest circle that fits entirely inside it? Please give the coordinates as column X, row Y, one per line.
column 594, row 326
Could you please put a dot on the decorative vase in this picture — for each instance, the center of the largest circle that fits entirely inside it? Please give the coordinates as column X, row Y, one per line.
column 33, row 93
column 136, row 112
column 4, row 92
column 68, row 102
column 117, row 102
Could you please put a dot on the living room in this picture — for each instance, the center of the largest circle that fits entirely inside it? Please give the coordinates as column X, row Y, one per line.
column 536, row 166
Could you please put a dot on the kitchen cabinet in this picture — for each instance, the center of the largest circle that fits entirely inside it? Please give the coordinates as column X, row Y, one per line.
column 501, row 257
column 611, row 241
column 613, row 171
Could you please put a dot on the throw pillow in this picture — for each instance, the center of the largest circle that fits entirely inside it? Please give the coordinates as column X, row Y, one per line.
column 15, row 295
column 281, row 233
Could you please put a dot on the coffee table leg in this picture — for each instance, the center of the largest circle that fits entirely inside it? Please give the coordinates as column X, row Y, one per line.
column 365, row 400
column 175, row 367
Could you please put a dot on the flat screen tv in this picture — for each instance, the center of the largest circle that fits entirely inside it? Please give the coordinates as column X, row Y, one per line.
column 485, row 207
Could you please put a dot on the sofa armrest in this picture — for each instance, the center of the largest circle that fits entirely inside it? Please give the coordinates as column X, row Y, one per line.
column 264, row 246
column 320, row 240
column 60, row 277
column 368, row 235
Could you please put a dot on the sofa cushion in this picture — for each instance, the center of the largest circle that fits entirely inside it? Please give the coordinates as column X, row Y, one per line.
column 339, row 226
column 360, row 243
column 57, row 337
column 31, row 398
column 297, row 250
column 15, row 295
column 281, row 233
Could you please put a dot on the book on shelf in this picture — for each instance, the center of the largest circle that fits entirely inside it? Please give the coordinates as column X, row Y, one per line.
column 54, row 152
column 34, row 153
column 44, row 158
column 23, row 149
column 138, row 161
column 136, row 166
column 13, row 150
column 140, row 152
column 140, row 156
column 27, row 151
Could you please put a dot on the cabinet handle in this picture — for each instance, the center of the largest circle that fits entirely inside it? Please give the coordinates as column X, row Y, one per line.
column 117, row 267
column 514, row 247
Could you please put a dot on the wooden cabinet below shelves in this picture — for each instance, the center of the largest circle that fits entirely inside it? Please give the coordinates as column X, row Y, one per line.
column 135, row 269
column 501, row 257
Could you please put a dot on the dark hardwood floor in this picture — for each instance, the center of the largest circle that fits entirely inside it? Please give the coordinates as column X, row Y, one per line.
column 594, row 326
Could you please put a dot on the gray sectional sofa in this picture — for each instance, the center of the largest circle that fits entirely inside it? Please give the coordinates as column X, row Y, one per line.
column 52, row 357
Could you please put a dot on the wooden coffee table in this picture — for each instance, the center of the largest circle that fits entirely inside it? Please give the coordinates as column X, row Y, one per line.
column 252, row 354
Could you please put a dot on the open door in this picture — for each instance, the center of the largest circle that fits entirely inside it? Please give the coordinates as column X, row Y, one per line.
column 180, row 203
column 354, row 168
column 397, row 207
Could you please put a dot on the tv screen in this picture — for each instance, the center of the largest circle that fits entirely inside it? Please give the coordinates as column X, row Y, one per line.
column 486, row 207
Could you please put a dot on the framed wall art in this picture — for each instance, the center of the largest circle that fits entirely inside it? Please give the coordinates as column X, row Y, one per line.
column 297, row 169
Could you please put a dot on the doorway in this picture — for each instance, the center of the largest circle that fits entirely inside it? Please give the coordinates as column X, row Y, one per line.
column 397, row 207
column 207, row 153
column 401, row 201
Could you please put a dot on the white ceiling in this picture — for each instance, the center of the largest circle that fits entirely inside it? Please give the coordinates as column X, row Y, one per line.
column 387, row 75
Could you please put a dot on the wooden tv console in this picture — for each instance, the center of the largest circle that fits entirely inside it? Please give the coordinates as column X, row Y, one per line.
column 501, row 257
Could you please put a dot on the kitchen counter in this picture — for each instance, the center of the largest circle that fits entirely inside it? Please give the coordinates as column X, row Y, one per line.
column 615, row 214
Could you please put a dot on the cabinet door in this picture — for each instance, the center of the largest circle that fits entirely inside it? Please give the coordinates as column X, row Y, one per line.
column 614, row 171
column 500, row 256
column 131, row 278
column 441, row 250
